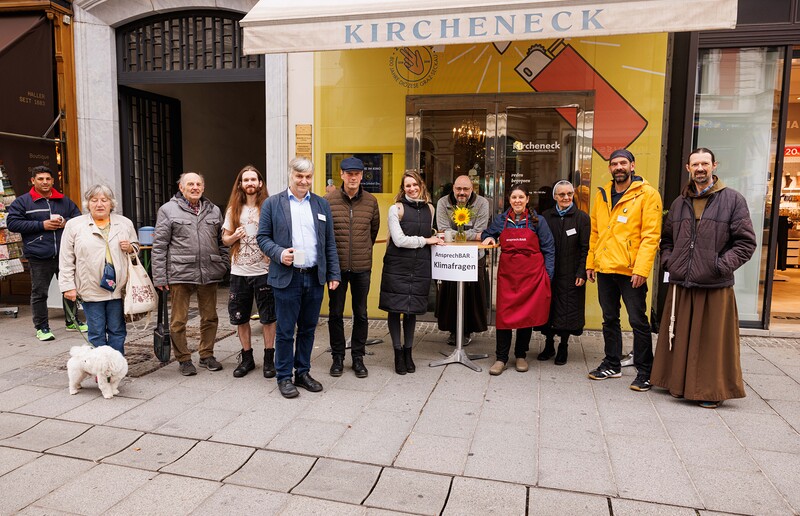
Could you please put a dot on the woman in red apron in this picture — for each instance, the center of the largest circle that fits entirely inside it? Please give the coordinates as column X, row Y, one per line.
column 527, row 261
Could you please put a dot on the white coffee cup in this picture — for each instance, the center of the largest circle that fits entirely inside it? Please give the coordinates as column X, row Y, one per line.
column 299, row 257
column 449, row 235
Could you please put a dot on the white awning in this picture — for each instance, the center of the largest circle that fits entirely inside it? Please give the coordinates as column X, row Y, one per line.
column 274, row 26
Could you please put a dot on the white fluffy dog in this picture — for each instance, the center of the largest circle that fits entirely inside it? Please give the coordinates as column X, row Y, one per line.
column 103, row 362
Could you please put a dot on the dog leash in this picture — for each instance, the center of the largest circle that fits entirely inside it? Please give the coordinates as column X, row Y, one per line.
column 71, row 317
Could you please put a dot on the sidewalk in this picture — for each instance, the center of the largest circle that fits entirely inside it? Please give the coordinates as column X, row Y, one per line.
column 439, row 441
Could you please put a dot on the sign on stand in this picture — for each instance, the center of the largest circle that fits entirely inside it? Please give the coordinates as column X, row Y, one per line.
column 454, row 262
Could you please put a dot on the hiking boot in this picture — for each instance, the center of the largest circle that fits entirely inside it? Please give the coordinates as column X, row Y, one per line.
column 410, row 367
column 641, row 383
column 45, row 334
column 337, row 366
column 603, row 372
column 497, row 368
column 210, row 363
column 358, row 367
column 521, row 365
column 269, row 363
column 76, row 327
column 246, row 363
column 187, row 368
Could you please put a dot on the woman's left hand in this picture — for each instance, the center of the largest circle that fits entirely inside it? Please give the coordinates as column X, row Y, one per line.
column 125, row 245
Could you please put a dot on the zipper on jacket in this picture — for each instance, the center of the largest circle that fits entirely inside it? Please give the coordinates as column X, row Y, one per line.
column 55, row 240
column 350, row 247
column 695, row 223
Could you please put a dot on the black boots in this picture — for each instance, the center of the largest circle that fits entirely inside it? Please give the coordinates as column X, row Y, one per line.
column 246, row 363
column 358, row 367
column 337, row 366
column 410, row 367
column 399, row 362
column 561, row 356
column 269, row 363
column 549, row 349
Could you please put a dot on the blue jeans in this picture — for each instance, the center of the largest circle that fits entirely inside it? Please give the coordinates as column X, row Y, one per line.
column 297, row 306
column 359, row 283
column 610, row 288
column 106, row 323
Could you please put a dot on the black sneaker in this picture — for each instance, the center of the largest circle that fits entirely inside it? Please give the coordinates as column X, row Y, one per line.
column 641, row 383
column 603, row 372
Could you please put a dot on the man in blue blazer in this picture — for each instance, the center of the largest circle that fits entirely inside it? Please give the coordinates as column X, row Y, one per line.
column 296, row 232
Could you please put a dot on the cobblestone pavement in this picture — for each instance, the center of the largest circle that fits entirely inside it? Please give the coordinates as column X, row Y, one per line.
column 444, row 440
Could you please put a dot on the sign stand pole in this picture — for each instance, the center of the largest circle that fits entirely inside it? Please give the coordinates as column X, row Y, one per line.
column 459, row 356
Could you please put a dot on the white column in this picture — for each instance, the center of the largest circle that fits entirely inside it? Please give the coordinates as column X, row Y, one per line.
column 276, row 89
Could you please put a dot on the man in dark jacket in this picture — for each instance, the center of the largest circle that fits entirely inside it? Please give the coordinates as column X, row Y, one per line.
column 707, row 235
column 356, row 220
column 40, row 216
column 188, row 256
column 296, row 232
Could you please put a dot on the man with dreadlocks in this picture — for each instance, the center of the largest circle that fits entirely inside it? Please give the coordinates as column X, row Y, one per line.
column 249, row 269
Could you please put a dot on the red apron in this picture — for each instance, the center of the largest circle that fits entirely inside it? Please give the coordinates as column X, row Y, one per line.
column 523, row 286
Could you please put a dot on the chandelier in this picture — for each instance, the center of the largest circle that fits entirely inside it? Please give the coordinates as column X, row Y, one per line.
column 469, row 131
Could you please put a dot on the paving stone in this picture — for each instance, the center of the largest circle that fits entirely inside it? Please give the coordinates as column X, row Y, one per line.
column 152, row 452
column 709, row 444
column 435, row 453
column 13, row 424
column 303, row 505
column 774, row 386
column 449, row 417
column 97, row 490
column 100, row 410
column 569, row 429
column 513, row 457
column 150, row 386
column 754, row 363
column 746, row 492
column 338, row 406
column 198, row 422
column 45, row 435
column 504, row 401
column 271, row 470
column 35, row 479
column 460, row 384
column 789, row 411
column 650, row 470
column 11, row 459
column 550, row 502
column 212, row 461
column 766, row 432
column 153, row 413
column 259, row 426
column 339, row 481
column 475, row 496
column 240, row 396
column 624, row 417
column 308, row 437
column 781, row 469
column 567, row 470
column 375, row 438
column 394, row 399
column 409, row 491
column 230, row 499
column 22, row 395
column 622, row 507
column 34, row 510
column 167, row 495
column 55, row 404
column 97, row 443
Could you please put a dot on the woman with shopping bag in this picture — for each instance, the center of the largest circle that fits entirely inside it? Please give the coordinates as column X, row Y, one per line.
column 93, row 265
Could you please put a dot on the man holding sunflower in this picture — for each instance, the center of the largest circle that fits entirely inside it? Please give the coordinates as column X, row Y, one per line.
column 465, row 210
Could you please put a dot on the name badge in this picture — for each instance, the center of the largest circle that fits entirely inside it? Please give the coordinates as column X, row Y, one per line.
column 623, row 219
column 571, row 232
column 321, row 217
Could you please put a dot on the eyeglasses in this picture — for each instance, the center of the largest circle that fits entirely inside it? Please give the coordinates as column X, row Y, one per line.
column 566, row 194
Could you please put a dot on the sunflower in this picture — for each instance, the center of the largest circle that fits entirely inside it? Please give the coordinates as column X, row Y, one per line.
column 462, row 215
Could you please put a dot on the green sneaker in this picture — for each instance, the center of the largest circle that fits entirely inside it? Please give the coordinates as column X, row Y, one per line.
column 81, row 326
column 45, row 334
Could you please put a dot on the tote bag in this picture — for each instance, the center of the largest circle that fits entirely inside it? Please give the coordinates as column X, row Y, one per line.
column 140, row 294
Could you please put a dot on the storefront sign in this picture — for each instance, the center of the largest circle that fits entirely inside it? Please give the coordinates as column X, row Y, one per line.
column 302, row 140
column 272, row 25
column 454, row 262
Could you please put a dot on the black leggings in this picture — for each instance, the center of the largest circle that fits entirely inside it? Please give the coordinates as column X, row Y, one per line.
column 409, row 321
column 504, row 343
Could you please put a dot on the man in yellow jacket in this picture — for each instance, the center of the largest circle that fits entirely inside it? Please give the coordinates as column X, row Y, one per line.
column 626, row 227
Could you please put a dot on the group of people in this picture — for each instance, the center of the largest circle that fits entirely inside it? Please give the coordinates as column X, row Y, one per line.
column 285, row 248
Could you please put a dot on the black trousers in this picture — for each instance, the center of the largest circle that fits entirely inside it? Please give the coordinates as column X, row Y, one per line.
column 42, row 272
column 359, row 289
column 610, row 289
column 504, row 343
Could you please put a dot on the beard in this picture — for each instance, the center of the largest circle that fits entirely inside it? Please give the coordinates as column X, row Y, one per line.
column 621, row 177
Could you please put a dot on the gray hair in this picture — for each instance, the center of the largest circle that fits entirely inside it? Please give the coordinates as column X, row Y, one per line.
column 563, row 182
column 183, row 176
column 98, row 189
column 301, row 165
